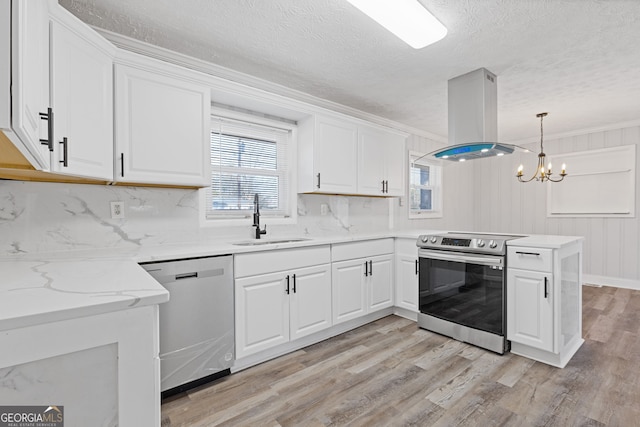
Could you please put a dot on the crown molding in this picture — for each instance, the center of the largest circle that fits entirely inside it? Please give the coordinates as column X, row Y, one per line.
column 580, row 132
column 218, row 71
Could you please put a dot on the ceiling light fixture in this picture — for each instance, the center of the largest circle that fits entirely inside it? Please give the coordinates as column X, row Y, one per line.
column 407, row 19
column 540, row 174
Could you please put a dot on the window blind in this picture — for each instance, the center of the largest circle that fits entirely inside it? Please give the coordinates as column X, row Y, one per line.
column 248, row 159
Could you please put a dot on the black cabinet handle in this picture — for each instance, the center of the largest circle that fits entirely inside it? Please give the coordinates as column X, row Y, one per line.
column 528, row 253
column 318, row 180
column 48, row 116
column 546, row 287
column 370, row 268
column 417, row 267
column 382, row 186
column 366, row 269
column 294, row 283
column 122, row 165
column 287, row 290
column 65, row 152
column 386, row 186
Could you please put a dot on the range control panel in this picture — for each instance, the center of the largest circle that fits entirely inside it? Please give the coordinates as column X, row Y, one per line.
column 448, row 241
column 467, row 242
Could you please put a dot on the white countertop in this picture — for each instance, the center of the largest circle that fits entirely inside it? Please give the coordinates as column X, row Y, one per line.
column 39, row 291
column 45, row 287
column 544, row 241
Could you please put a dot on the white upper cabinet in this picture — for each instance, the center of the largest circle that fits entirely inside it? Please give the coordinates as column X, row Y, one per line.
column 327, row 152
column 380, row 162
column 29, row 81
column 339, row 155
column 395, row 164
column 82, row 98
column 371, row 161
column 162, row 123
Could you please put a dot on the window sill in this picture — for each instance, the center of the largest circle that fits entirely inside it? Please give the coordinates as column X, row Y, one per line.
column 425, row 215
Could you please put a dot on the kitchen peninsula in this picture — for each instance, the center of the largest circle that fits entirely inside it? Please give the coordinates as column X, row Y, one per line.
column 98, row 313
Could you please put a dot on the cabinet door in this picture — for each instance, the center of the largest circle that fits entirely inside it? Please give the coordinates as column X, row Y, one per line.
column 380, row 282
column 30, row 78
column 310, row 300
column 261, row 313
column 348, row 290
column 407, row 282
column 395, row 163
column 530, row 308
column 371, row 161
column 82, row 99
column 335, row 152
column 162, row 127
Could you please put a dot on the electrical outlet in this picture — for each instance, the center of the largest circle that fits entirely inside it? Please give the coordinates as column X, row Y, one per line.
column 324, row 209
column 117, row 210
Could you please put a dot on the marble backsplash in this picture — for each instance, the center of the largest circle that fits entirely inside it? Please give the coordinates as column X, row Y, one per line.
column 44, row 217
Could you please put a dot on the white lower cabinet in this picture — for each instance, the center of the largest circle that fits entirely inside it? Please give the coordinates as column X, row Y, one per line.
column 362, row 278
column 544, row 301
column 276, row 307
column 380, row 282
column 407, row 274
column 530, row 313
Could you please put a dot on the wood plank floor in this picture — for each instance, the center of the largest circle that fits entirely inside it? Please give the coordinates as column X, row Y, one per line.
column 392, row 373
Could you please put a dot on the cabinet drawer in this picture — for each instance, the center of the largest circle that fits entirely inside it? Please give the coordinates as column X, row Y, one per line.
column 263, row 262
column 363, row 249
column 407, row 246
column 530, row 258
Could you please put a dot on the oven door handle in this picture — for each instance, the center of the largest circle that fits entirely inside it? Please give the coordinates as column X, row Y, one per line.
column 469, row 259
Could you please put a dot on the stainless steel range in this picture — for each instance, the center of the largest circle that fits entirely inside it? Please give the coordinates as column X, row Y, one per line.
column 462, row 287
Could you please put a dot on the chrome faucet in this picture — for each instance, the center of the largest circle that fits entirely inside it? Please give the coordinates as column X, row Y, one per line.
column 256, row 217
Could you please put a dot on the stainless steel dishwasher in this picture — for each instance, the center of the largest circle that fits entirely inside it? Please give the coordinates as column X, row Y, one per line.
column 197, row 324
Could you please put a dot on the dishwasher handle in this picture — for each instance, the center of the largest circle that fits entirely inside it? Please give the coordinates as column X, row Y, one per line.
column 193, row 275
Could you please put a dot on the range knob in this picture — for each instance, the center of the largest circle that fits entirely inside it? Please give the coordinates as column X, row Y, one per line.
column 481, row 243
column 493, row 244
column 434, row 239
column 425, row 238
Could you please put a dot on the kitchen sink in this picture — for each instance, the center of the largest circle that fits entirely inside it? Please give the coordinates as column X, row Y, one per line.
column 258, row 242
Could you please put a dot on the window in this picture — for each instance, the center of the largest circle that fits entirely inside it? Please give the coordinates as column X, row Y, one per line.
column 425, row 187
column 249, row 159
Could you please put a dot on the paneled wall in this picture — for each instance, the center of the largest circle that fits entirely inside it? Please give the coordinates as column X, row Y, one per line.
column 458, row 199
column 502, row 204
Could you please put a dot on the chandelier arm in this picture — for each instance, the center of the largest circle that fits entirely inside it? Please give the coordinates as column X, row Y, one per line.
column 527, row 180
column 556, row 180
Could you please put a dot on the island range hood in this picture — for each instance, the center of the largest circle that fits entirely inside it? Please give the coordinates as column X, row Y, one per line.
column 473, row 118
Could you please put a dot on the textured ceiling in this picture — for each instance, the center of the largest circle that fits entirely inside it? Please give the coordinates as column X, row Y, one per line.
column 577, row 59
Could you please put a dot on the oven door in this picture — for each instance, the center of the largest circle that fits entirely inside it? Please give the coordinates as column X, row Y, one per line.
column 467, row 289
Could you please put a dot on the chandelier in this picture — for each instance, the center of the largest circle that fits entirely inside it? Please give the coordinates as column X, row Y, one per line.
column 541, row 174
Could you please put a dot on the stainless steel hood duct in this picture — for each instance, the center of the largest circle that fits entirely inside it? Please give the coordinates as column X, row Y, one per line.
column 473, row 118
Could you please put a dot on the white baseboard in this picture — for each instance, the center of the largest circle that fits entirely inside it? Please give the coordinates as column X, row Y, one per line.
column 407, row 314
column 617, row 282
column 291, row 346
